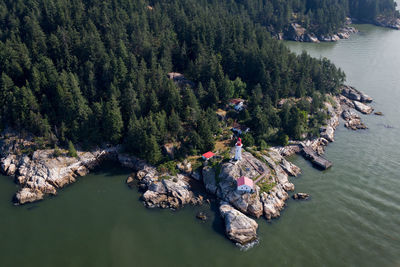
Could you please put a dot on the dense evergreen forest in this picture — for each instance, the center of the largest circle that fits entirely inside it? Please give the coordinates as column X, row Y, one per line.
column 94, row 72
column 319, row 16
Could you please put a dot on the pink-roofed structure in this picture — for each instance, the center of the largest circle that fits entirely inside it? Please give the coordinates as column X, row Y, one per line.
column 245, row 185
column 208, row 155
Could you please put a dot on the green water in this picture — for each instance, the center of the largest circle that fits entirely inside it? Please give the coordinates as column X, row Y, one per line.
column 353, row 218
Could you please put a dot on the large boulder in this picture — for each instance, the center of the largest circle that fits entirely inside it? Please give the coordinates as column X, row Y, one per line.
column 328, row 132
column 365, row 109
column 355, row 95
column 238, row 227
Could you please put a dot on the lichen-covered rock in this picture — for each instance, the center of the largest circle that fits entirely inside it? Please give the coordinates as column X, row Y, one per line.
column 238, row 227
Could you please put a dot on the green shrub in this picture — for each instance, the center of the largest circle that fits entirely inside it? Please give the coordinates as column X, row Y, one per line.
column 57, row 151
column 266, row 186
column 168, row 167
column 71, row 150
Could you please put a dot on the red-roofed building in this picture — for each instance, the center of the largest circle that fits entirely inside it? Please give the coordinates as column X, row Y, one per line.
column 245, row 185
column 237, row 103
column 208, row 155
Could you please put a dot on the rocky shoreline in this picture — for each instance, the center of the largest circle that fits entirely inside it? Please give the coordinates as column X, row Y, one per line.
column 296, row 32
column 42, row 173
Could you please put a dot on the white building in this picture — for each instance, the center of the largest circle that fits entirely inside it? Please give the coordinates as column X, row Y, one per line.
column 245, row 185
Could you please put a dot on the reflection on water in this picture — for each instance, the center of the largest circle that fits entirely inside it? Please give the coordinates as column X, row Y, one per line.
column 352, row 219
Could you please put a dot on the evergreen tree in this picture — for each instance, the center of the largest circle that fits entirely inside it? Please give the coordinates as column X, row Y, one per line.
column 71, row 150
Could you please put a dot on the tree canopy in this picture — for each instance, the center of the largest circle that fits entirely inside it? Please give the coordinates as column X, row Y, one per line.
column 92, row 72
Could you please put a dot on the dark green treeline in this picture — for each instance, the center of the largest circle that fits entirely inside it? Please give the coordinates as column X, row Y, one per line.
column 94, row 72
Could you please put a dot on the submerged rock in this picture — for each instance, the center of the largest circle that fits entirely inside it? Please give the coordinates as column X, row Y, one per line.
column 302, row 196
column 238, row 227
column 202, row 216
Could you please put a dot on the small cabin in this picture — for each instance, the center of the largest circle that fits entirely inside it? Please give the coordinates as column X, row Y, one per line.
column 237, row 104
column 208, row 155
column 245, row 185
column 239, row 129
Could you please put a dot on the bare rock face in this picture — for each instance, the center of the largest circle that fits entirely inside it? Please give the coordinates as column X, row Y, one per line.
column 281, row 177
column 274, row 202
column 238, row 227
column 365, row 109
column 328, row 133
column 290, row 168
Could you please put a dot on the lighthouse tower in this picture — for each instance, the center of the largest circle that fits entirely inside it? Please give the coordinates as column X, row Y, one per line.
column 238, row 149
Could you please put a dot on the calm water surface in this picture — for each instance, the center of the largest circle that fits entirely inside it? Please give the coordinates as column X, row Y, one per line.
column 353, row 218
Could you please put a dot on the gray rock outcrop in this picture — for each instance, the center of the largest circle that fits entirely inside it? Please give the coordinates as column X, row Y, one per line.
column 352, row 120
column 355, row 95
column 274, row 201
column 42, row 173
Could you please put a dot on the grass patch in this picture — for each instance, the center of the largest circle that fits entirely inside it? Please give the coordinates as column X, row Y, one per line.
column 266, row 186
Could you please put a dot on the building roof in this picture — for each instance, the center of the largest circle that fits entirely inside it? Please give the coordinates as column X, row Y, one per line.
column 208, row 155
column 236, row 101
column 245, row 181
